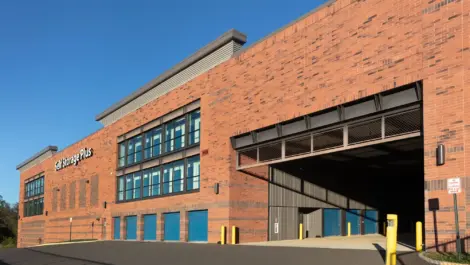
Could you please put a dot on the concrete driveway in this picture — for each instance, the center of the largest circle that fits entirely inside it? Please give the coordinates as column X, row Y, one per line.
column 141, row 253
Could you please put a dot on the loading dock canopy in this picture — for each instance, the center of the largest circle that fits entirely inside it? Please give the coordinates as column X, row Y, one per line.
column 384, row 117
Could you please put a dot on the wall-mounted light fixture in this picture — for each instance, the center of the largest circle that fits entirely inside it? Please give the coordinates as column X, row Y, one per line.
column 440, row 155
column 87, row 181
column 216, row 188
column 47, row 212
column 105, row 204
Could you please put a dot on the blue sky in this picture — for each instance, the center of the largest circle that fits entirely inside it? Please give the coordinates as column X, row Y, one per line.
column 63, row 62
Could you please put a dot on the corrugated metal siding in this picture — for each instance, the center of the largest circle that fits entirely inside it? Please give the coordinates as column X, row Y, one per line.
column 313, row 224
column 288, row 219
column 217, row 57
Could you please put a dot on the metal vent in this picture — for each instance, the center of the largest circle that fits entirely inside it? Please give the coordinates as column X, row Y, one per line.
column 329, row 139
column 366, row 131
column 403, row 123
column 298, row 146
column 270, row 152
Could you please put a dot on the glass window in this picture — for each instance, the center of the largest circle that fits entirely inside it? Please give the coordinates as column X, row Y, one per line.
column 174, row 135
column 193, row 173
column 152, row 182
column 129, row 186
column 34, row 207
column 137, row 183
column 194, row 127
column 173, row 177
column 121, row 188
column 34, row 187
column 122, row 154
column 153, row 143
column 134, row 150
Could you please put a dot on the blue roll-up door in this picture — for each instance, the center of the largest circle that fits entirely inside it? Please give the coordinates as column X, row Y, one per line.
column 198, row 226
column 150, row 227
column 354, row 217
column 117, row 227
column 131, row 227
column 172, row 226
column 331, row 222
column 370, row 222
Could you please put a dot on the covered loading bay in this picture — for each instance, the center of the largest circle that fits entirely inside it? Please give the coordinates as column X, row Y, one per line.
column 352, row 163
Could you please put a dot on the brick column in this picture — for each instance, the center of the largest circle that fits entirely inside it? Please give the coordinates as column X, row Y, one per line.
column 123, row 227
column 160, row 226
column 183, row 226
column 140, row 227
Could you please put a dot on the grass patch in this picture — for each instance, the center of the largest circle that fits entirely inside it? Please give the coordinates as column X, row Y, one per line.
column 449, row 257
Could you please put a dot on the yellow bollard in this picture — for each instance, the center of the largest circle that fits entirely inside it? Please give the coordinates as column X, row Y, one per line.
column 349, row 228
column 234, row 235
column 301, row 231
column 419, row 236
column 391, row 253
column 222, row 235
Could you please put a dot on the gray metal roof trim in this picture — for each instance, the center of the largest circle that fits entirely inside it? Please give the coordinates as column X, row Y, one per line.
column 245, row 48
column 201, row 53
column 40, row 153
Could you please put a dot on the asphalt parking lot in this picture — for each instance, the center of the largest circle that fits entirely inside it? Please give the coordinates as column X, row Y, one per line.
column 121, row 252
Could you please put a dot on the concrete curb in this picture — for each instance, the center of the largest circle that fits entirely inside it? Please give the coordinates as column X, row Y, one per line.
column 437, row 262
column 65, row 243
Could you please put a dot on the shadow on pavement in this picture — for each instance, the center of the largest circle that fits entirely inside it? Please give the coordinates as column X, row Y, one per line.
column 381, row 250
column 68, row 257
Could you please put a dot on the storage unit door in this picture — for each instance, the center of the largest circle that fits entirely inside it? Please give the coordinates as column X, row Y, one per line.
column 370, row 222
column 354, row 217
column 117, row 227
column 198, row 226
column 331, row 222
column 172, row 227
column 150, row 227
column 131, row 227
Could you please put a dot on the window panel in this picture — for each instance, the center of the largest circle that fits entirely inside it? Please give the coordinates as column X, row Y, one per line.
column 122, row 154
column 194, row 127
column 173, row 177
column 129, row 186
column 174, row 135
column 153, row 143
column 137, row 183
column 121, row 188
column 193, row 173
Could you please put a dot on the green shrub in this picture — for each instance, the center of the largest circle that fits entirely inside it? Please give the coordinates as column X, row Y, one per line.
column 9, row 242
column 450, row 257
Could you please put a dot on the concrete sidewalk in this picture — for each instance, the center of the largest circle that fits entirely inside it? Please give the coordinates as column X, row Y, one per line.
column 363, row 242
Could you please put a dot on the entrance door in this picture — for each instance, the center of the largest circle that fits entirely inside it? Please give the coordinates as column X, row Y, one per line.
column 370, row 222
column 131, row 227
column 172, row 226
column 150, row 227
column 331, row 222
column 198, row 226
column 354, row 217
column 117, row 227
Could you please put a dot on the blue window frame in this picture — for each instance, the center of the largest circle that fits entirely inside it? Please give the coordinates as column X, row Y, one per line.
column 174, row 134
column 173, row 177
column 194, row 127
column 193, row 173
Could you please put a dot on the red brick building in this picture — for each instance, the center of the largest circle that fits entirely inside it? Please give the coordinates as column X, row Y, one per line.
column 312, row 124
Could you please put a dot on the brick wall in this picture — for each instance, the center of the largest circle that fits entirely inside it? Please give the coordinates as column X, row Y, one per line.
column 340, row 53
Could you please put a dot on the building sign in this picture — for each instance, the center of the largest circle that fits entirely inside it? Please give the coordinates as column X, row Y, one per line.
column 453, row 186
column 73, row 160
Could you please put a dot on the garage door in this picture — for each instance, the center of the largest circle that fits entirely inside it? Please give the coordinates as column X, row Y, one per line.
column 331, row 222
column 198, row 224
column 370, row 222
column 131, row 227
column 150, row 227
column 172, row 227
column 354, row 217
column 117, row 227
